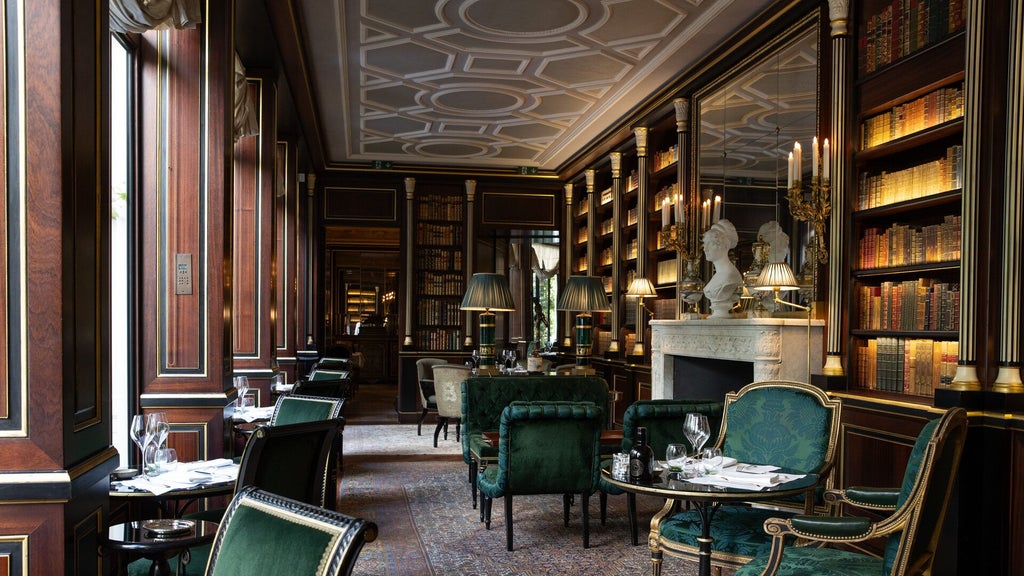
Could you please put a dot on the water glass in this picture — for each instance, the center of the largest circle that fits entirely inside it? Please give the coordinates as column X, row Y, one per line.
column 620, row 466
column 675, row 456
column 711, row 460
column 165, row 460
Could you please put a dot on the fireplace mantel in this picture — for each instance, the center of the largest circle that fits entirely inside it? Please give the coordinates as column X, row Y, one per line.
column 777, row 347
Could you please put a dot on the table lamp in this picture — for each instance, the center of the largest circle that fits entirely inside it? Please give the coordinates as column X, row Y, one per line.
column 584, row 294
column 640, row 288
column 488, row 293
column 778, row 276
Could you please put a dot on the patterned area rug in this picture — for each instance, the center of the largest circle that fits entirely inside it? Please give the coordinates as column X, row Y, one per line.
column 428, row 527
column 398, row 440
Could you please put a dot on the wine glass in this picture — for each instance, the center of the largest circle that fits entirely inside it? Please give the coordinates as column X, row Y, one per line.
column 161, row 429
column 697, row 431
column 476, row 360
column 242, row 386
column 138, row 432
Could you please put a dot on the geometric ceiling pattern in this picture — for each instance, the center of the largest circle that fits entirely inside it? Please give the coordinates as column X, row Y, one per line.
column 495, row 82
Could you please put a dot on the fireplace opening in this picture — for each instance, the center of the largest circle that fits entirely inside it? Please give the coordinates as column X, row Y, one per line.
column 708, row 378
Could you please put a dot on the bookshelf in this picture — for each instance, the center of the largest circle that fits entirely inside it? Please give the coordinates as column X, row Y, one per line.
column 903, row 292
column 439, row 271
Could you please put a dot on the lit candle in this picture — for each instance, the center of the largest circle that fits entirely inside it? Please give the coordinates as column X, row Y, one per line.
column 789, row 175
column 814, row 158
column 824, row 160
column 718, row 209
column 705, row 213
column 664, row 213
column 798, row 163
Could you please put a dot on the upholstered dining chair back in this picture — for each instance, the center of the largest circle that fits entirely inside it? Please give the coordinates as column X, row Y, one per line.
column 295, row 408
column 425, row 383
column 545, row 448
column 265, row 533
column 291, row 460
column 783, row 423
column 448, row 388
column 339, row 388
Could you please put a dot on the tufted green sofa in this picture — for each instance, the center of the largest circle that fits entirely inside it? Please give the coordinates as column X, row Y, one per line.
column 484, row 397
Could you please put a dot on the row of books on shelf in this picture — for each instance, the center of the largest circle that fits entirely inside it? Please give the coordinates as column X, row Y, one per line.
column 438, row 312
column 631, row 216
column 438, row 339
column 631, row 249
column 582, row 208
column 439, row 207
column 903, row 27
column 581, row 265
column 667, row 193
column 664, row 309
column 438, row 234
column 906, row 245
column 606, row 227
column 665, row 158
column 922, row 304
column 440, row 284
column 930, row 110
column 666, row 273
column 605, row 197
column 907, row 365
column 934, row 177
column 440, row 259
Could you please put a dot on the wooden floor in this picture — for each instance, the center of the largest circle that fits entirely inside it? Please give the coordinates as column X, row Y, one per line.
column 373, row 404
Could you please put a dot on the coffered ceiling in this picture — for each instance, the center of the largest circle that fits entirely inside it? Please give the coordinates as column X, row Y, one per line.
column 491, row 83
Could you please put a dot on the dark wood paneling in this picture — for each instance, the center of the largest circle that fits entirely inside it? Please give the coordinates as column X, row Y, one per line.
column 360, row 204
column 537, row 211
column 42, row 525
column 282, row 251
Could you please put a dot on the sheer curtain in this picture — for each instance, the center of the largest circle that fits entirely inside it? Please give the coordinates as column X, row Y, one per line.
column 545, row 259
column 142, row 15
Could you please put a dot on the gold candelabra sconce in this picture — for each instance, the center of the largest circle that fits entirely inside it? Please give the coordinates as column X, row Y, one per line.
column 816, row 207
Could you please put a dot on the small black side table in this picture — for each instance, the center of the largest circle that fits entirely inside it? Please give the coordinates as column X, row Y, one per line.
column 134, row 537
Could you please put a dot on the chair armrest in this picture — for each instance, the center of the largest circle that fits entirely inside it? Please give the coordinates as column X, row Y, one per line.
column 830, row 527
column 865, row 497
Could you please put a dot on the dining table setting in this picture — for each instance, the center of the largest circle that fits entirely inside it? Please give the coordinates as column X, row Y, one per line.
column 183, row 476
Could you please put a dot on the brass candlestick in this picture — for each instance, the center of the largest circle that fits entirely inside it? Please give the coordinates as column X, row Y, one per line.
column 689, row 285
column 814, row 210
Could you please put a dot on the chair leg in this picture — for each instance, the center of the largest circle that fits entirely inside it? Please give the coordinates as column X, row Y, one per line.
column 419, row 425
column 472, row 480
column 441, row 423
column 565, row 509
column 446, row 428
column 603, row 503
column 508, row 522
column 631, row 511
column 458, row 426
column 586, row 520
column 485, row 511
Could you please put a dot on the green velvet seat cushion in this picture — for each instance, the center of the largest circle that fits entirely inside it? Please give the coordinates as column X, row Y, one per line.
column 735, row 529
column 818, row 561
column 307, row 545
column 295, row 410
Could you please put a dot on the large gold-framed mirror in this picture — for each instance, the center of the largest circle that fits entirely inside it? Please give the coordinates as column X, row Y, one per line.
column 747, row 123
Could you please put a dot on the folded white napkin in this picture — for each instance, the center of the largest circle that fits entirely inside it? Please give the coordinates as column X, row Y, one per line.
column 253, row 414
column 283, row 388
column 186, row 475
column 730, row 478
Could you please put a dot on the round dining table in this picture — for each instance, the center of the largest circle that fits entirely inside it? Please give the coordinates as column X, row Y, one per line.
column 706, row 499
column 158, row 540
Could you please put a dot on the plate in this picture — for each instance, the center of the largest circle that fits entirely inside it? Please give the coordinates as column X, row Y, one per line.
column 124, row 473
column 167, row 527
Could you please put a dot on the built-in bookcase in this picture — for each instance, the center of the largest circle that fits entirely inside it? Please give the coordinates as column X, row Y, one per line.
column 440, row 272
column 904, row 293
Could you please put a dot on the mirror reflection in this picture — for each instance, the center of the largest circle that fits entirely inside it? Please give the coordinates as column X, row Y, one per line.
column 748, row 124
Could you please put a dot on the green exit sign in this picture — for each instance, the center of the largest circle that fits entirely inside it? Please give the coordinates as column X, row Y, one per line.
column 526, row 170
column 381, row 164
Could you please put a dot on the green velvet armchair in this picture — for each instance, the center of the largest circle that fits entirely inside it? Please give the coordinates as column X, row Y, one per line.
column 789, row 424
column 916, row 512
column 295, row 408
column 545, row 448
column 263, row 533
column 664, row 422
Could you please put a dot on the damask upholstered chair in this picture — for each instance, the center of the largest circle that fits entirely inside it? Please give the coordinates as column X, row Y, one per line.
column 448, row 392
column 263, row 533
column 782, row 423
column 545, row 448
column 425, row 379
column 664, row 422
column 916, row 512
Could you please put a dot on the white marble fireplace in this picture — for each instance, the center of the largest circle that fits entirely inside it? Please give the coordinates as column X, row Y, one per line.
column 774, row 348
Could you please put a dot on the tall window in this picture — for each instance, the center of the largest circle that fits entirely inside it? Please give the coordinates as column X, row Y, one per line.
column 121, row 170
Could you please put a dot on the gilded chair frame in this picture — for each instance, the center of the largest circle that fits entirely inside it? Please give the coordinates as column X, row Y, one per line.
column 660, row 545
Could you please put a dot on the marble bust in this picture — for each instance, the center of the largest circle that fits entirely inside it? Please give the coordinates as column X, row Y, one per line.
column 722, row 288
